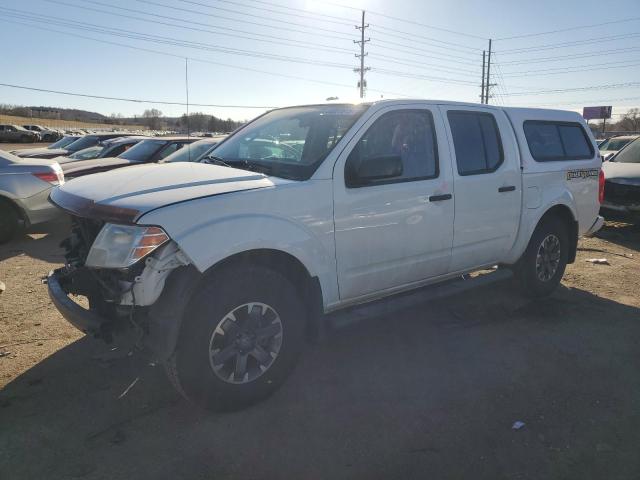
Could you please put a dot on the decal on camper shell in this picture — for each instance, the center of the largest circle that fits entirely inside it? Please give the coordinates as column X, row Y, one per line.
column 582, row 174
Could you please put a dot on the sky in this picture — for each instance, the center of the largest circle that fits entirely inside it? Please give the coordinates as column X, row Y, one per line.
column 270, row 53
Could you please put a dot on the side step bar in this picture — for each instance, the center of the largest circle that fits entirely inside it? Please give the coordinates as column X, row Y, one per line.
column 419, row 296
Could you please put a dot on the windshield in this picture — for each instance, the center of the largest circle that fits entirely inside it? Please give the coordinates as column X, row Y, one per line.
column 143, row 151
column 83, row 142
column 87, row 153
column 63, row 142
column 615, row 143
column 191, row 152
column 629, row 154
column 290, row 142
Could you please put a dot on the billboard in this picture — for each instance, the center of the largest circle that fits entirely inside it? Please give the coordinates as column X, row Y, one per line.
column 594, row 113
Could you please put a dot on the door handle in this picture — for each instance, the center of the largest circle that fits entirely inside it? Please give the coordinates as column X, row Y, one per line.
column 440, row 198
column 510, row 188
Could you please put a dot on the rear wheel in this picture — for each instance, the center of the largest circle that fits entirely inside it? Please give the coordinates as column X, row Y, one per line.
column 241, row 338
column 543, row 264
column 9, row 222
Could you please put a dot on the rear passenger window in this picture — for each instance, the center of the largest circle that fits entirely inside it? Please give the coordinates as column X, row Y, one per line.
column 476, row 140
column 552, row 141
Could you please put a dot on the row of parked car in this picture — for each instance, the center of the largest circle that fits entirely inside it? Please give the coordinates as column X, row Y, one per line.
column 27, row 175
column 38, row 133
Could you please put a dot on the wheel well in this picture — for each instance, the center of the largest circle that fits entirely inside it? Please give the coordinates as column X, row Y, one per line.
column 292, row 269
column 566, row 216
column 12, row 205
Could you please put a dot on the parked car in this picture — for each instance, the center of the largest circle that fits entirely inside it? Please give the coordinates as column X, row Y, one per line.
column 147, row 151
column 80, row 143
column 193, row 152
column 16, row 133
column 24, row 193
column 48, row 151
column 46, row 134
column 613, row 145
column 622, row 181
column 228, row 266
column 108, row 148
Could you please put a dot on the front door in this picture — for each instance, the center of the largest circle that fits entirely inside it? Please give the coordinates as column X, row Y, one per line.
column 394, row 231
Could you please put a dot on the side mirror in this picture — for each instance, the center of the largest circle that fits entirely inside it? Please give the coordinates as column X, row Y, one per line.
column 372, row 169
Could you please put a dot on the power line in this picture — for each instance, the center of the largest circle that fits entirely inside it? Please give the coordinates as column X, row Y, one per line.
column 269, row 38
column 577, row 68
column 196, row 59
column 243, row 20
column 582, row 102
column 578, row 89
column 550, row 46
column 559, row 58
column 410, row 49
column 207, row 47
column 151, row 2
column 134, row 100
column 170, row 40
column 398, row 19
column 410, row 36
column 420, row 39
column 395, row 73
column 431, row 66
column 570, row 29
column 340, row 50
column 305, row 14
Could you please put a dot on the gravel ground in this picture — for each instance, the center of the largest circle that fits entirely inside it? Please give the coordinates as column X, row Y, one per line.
column 429, row 391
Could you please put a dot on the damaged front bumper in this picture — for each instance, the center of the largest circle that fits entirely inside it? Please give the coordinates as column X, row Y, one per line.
column 84, row 320
column 157, row 325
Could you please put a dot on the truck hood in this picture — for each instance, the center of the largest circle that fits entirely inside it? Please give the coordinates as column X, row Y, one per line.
column 628, row 173
column 124, row 195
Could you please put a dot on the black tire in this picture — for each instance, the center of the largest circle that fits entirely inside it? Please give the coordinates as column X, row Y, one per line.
column 190, row 369
column 9, row 222
column 528, row 271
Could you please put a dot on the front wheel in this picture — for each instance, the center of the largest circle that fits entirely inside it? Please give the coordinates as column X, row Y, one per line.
column 241, row 337
column 542, row 266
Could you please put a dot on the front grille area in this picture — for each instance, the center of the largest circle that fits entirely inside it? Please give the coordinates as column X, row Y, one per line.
column 621, row 194
column 83, row 232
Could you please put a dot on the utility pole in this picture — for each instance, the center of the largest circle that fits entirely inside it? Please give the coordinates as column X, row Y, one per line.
column 488, row 85
column 186, row 85
column 362, row 42
column 484, row 53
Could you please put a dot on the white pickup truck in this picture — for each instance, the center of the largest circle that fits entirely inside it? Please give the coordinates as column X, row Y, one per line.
column 226, row 266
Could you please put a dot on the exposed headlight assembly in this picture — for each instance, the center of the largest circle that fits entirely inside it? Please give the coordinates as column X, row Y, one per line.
column 120, row 246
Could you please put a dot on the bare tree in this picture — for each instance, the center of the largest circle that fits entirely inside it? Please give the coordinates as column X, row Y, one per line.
column 630, row 121
column 152, row 118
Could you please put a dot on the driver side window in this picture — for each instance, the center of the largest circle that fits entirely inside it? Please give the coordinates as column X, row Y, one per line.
column 407, row 136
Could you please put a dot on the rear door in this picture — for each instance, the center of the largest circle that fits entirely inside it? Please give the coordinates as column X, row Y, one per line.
column 396, row 231
column 487, row 182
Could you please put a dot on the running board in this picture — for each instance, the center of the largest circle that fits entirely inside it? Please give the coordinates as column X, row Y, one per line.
column 419, row 296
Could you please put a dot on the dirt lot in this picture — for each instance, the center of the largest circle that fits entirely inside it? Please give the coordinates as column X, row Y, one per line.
column 431, row 391
column 7, row 147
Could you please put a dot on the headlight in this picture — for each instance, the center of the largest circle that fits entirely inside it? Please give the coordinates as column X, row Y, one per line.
column 120, row 246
